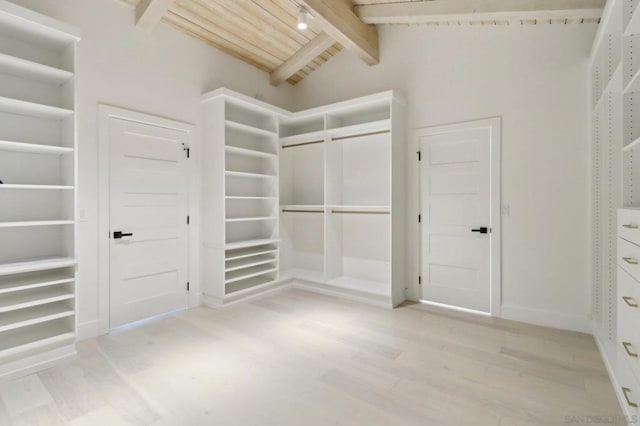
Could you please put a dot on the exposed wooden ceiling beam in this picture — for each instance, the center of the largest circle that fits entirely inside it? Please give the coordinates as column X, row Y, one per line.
column 339, row 21
column 301, row 58
column 416, row 12
column 150, row 12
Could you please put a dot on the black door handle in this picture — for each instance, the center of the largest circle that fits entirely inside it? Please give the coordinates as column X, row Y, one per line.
column 118, row 234
column 482, row 230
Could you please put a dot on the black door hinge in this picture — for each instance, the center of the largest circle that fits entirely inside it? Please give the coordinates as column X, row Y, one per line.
column 187, row 150
column 419, row 218
column 419, row 155
column 420, row 279
column 188, row 285
column 188, row 220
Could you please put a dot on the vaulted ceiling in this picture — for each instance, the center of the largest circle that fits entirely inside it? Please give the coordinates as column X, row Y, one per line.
column 263, row 33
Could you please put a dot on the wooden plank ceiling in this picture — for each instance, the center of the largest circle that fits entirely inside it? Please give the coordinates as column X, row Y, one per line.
column 263, row 33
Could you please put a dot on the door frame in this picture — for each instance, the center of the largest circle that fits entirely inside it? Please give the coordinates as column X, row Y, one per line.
column 105, row 114
column 494, row 126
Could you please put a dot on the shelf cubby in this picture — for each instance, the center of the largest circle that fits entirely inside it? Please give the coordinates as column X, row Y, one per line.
column 33, row 280
column 36, row 297
column 251, row 272
column 35, row 315
column 249, row 262
column 248, row 252
column 36, row 337
column 253, row 283
column 250, row 119
column 251, row 164
column 302, row 171
column 358, row 115
column 302, row 247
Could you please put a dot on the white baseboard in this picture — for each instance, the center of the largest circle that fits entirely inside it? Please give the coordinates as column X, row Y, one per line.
column 547, row 318
column 88, row 329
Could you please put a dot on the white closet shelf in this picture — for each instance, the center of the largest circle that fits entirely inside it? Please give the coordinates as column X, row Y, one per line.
column 360, row 129
column 34, row 315
column 250, row 219
column 366, row 286
column 309, row 207
column 30, row 109
column 249, row 129
column 34, row 148
column 39, row 187
column 249, row 262
column 30, row 223
column 32, row 338
column 250, row 243
column 632, row 87
column 249, row 284
column 303, row 138
column 38, row 264
column 231, row 277
column 615, row 81
column 248, row 197
column 249, row 252
column 14, row 283
column 361, row 209
column 29, row 298
column 32, row 70
column 249, row 175
column 248, row 152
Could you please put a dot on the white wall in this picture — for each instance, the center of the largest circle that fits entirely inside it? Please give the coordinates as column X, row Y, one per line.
column 535, row 78
column 163, row 73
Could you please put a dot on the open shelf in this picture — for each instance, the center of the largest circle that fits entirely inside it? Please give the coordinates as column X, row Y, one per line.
column 250, row 243
column 29, row 298
column 243, row 274
column 31, row 223
column 34, row 315
column 250, row 219
column 250, row 283
column 34, row 148
column 31, row 109
column 248, row 262
column 249, row 252
column 36, row 187
column 32, row 70
column 248, row 152
column 248, row 175
column 249, row 129
column 360, row 129
column 34, row 337
column 303, row 139
column 248, row 197
column 38, row 264
column 33, row 280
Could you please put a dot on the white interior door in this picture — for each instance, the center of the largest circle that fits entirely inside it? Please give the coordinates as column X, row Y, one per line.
column 148, row 202
column 460, row 199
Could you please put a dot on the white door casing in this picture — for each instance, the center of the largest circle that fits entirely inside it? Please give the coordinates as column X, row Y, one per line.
column 144, row 183
column 460, row 193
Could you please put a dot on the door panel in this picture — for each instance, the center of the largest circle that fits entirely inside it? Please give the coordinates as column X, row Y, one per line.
column 148, row 199
column 456, row 198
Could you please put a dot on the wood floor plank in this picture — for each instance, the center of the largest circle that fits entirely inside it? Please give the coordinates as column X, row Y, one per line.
column 299, row 358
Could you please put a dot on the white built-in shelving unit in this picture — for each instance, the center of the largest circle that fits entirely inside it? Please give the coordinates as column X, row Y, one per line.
column 37, row 193
column 314, row 198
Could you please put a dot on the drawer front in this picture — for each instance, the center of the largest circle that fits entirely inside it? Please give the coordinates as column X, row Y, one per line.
column 629, row 225
column 629, row 387
column 629, row 258
column 629, row 341
column 628, row 296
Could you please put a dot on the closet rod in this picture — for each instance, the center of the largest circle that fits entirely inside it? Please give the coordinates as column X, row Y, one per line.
column 358, row 212
column 341, row 138
column 301, row 211
column 302, row 143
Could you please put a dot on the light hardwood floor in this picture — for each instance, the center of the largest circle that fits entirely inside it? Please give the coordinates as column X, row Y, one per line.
column 303, row 359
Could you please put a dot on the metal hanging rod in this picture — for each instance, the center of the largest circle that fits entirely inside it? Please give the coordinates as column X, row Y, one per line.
column 358, row 212
column 301, row 211
column 302, row 143
column 341, row 138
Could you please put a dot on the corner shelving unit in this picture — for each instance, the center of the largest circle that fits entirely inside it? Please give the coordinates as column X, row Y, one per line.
column 37, row 191
column 329, row 218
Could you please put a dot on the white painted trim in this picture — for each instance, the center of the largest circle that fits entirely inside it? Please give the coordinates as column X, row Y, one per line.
column 455, row 308
column 545, row 318
column 494, row 124
column 87, row 330
column 105, row 113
